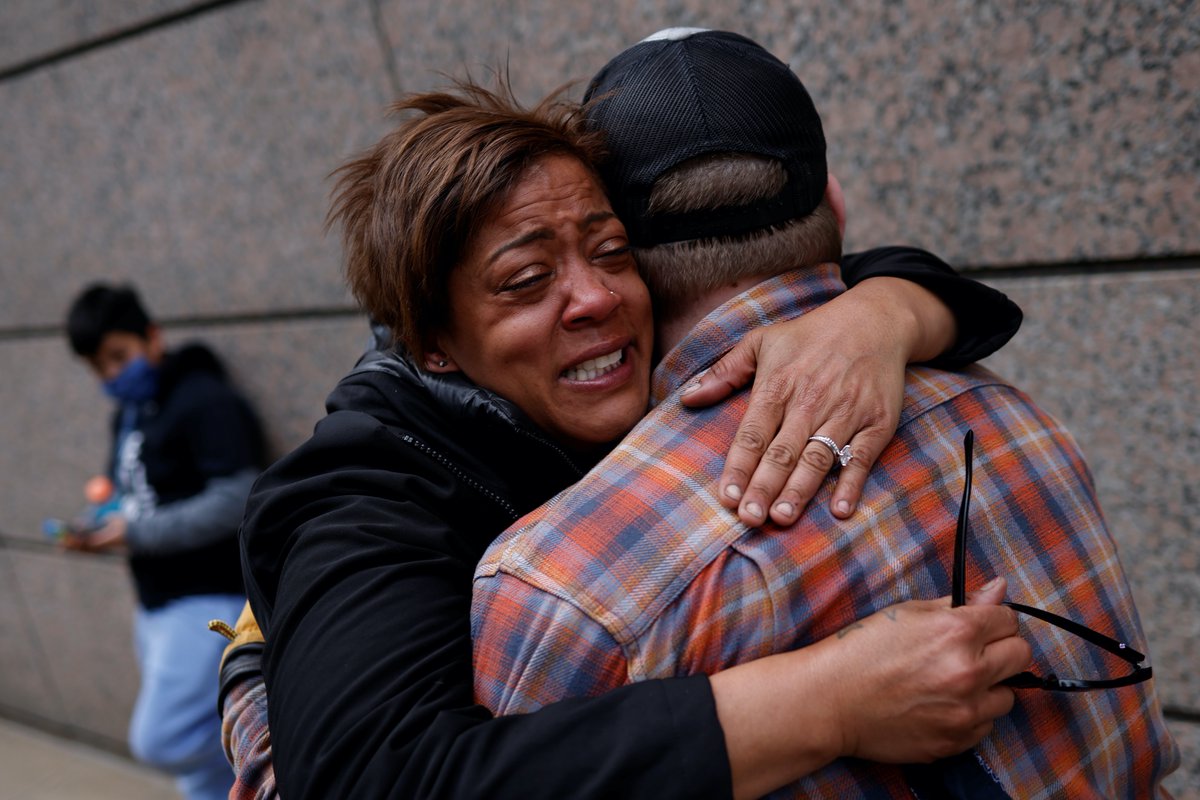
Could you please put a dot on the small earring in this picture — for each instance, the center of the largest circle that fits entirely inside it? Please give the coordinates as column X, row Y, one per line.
column 610, row 291
column 443, row 363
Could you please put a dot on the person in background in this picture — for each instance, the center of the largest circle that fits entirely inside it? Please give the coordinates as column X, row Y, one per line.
column 718, row 169
column 186, row 448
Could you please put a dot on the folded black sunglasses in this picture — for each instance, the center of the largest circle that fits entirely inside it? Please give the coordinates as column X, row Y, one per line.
column 1028, row 680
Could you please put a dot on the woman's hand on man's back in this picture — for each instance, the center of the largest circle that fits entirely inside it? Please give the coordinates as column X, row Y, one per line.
column 836, row 372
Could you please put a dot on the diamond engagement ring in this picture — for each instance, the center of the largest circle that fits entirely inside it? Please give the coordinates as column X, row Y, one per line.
column 842, row 454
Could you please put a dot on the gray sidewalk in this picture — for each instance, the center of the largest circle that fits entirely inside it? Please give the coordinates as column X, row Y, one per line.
column 38, row 766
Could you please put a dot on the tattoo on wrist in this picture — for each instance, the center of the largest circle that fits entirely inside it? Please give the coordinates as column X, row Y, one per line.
column 846, row 630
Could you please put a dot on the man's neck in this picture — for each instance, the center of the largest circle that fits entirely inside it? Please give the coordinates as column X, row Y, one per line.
column 671, row 330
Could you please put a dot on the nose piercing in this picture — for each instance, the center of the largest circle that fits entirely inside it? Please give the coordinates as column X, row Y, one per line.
column 610, row 291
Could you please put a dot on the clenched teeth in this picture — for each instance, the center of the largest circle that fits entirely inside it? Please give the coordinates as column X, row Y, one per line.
column 594, row 367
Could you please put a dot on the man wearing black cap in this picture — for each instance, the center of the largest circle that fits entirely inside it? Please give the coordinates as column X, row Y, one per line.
column 718, row 170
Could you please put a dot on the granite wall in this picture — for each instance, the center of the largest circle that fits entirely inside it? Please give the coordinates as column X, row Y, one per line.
column 1048, row 147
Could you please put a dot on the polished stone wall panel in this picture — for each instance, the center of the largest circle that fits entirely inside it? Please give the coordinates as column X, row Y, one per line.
column 192, row 161
column 25, row 686
column 32, row 29
column 1115, row 358
column 1185, row 784
column 1045, row 133
column 82, row 611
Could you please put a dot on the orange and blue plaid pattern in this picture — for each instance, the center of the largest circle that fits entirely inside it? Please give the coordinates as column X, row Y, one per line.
column 638, row 572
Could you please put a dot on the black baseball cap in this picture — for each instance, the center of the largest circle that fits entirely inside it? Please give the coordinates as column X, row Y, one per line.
column 688, row 92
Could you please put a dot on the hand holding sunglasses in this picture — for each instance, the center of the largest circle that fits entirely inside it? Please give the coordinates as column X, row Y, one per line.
column 1030, row 680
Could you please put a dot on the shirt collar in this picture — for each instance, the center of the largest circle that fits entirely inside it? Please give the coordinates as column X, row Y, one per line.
column 776, row 299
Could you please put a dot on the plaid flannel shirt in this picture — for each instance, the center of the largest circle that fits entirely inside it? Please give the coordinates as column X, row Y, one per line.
column 247, row 740
column 639, row 572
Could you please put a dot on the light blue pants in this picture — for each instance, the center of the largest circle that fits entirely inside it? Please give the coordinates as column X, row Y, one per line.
column 175, row 726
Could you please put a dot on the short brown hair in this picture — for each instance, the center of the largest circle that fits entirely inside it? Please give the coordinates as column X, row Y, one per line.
column 678, row 272
column 410, row 205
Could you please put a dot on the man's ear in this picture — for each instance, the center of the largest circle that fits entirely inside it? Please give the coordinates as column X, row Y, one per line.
column 837, row 201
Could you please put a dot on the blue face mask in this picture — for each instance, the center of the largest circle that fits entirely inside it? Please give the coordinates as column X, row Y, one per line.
column 137, row 383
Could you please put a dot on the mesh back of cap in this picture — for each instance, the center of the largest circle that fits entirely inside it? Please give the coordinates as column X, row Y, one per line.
column 661, row 103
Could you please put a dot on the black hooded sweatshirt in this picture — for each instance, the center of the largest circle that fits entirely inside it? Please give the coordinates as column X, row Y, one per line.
column 197, row 428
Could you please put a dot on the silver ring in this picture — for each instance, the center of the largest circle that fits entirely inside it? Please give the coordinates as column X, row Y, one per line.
column 842, row 454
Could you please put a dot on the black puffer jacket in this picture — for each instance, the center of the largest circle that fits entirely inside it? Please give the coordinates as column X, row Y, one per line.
column 360, row 547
